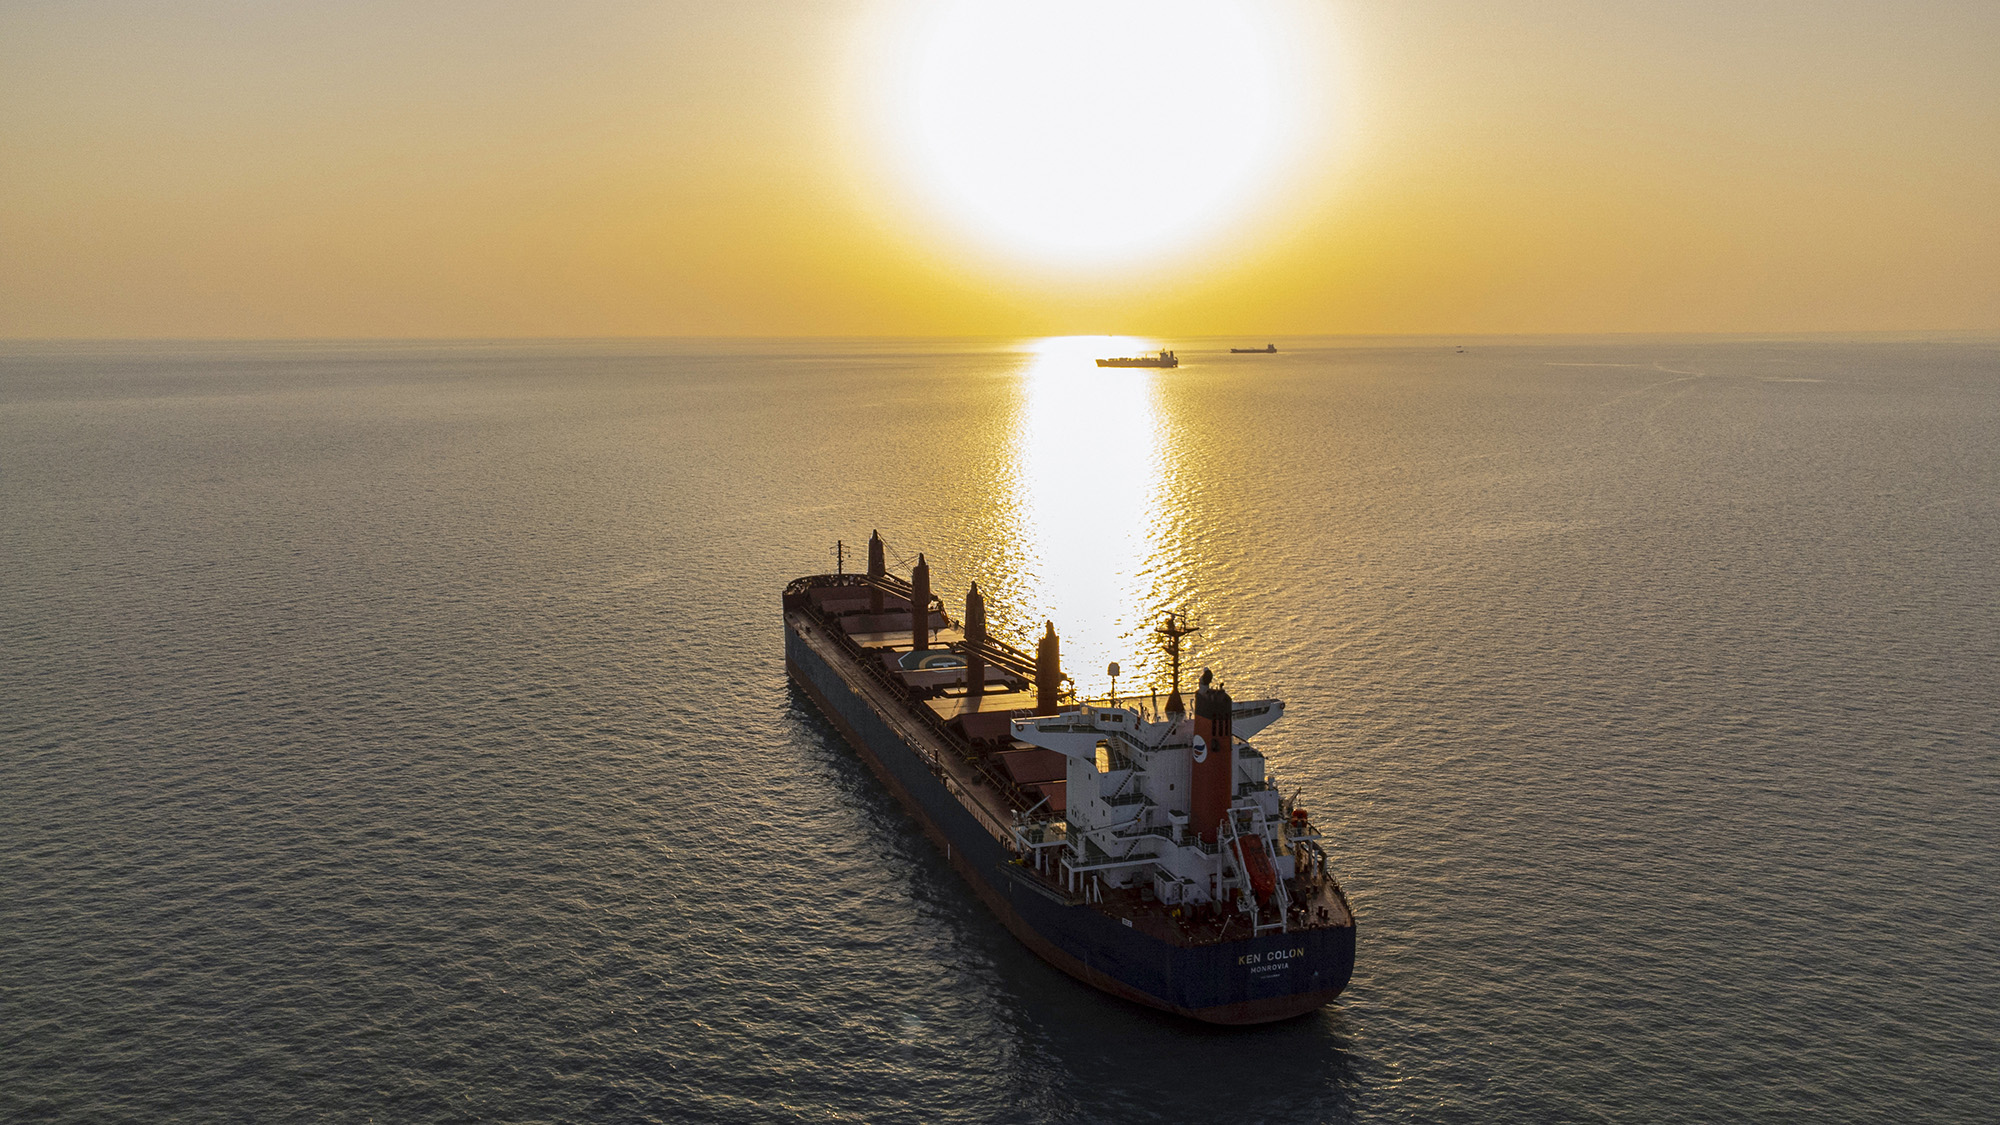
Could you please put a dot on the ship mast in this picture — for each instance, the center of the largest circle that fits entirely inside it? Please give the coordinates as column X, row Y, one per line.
column 1176, row 628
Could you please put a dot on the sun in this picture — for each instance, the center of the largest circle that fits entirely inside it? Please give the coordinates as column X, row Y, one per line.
column 1090, row 132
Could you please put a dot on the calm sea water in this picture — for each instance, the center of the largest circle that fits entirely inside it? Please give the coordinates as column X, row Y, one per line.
column 401, row 733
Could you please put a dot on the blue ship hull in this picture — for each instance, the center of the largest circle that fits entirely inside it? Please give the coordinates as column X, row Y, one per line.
column 1250, row 980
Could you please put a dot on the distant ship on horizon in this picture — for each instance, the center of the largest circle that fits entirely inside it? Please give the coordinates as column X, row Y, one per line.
column 1267, row 349
column 1164, row 359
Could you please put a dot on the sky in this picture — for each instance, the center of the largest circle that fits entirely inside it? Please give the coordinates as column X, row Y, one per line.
column 200, row 168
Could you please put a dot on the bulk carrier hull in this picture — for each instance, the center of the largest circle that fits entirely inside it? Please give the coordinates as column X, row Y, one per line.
column 1251, row 979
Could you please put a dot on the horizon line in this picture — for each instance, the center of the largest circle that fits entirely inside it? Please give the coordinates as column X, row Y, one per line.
column 1739, row 334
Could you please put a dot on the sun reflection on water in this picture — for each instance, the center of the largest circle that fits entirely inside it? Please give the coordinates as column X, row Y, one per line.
column 1090, row 461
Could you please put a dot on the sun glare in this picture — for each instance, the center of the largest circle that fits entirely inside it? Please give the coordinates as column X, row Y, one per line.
column 1090, row 468
column 1091, row 132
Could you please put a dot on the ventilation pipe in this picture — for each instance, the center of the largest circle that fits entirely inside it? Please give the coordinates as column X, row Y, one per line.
column 975, row 642
column 1048, row 672
column 878, row 569
column 920, row 605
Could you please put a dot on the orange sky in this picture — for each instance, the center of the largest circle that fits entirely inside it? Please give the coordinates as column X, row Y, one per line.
column 587, row 169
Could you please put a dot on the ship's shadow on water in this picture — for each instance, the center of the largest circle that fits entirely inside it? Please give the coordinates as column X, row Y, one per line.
column 1089, row 1056
column 1073, row 1052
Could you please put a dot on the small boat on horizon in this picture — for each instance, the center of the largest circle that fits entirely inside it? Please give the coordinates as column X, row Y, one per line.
column 1267, row 349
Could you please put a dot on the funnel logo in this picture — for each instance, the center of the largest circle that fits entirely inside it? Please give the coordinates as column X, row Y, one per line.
column 1200, row 749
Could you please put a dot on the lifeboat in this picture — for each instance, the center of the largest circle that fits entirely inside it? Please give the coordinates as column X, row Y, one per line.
column 1257, row 864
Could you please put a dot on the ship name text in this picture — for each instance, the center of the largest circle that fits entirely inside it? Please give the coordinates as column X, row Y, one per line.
column 1273, row 955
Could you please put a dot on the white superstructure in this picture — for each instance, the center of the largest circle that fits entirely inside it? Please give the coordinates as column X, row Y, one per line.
column 1127, row 824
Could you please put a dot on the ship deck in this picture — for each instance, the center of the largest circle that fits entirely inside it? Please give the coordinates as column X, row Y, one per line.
column 993, row 799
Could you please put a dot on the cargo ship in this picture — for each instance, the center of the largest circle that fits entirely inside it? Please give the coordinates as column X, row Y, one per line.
column 1141, row 849
column 1267, row 349
column 1164, row 359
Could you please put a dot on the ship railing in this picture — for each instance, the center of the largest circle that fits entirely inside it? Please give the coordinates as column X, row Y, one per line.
column 1250, row 818
column 1188, row 837
column 977, row 808
column 1040, row 841
column 1126, row 737
column 1143, row 830
column 1146, row 705
column 1086, row 877
column 797, row 588
column 1075, row 868
column 1320, row 867
column 1341, row 894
